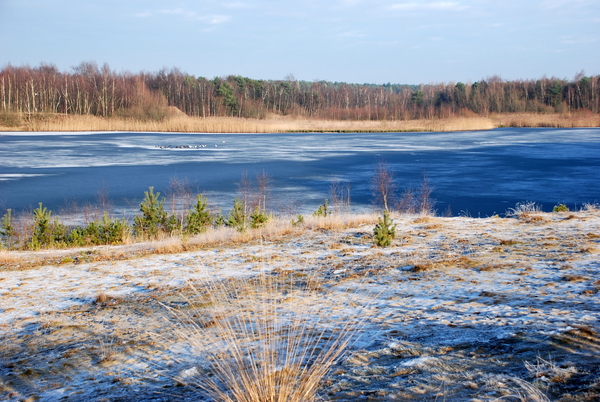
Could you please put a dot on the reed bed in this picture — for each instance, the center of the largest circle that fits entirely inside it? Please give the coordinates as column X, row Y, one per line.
column 562, row 120
column 273, row 124
column 280, row 124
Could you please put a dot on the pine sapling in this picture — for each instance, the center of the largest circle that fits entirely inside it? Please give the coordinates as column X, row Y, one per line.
column 237, row 217
column 258, row 218
column 7, row 229
column 153, row 218
column 199, row 219
column 385, row 231
column 323, row 210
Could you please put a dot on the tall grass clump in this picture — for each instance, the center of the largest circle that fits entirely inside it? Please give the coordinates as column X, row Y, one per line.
column 523, row 208
column 254, row 343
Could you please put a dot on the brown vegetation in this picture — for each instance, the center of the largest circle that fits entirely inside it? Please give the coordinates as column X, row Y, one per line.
column 278, row 124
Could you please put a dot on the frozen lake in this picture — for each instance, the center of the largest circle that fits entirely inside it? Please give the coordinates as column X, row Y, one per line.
column 479, row 173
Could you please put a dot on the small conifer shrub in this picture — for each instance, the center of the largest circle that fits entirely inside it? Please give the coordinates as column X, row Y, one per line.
column 237, row 218
column 7, row 230
column 102, row 231
column 258, row 219
column 153, row 218
column 199, row 218
column 46, row 232
column 323, row 210
column 299, row 220
column 385, row 231
column 561, row 208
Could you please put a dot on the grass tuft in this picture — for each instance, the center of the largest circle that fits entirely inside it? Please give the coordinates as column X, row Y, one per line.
column 252, row 344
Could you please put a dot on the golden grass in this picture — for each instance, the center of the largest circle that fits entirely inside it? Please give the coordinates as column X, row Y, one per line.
column 273, row 124
column 558, row 120
column 257, row 345
column 279, row 124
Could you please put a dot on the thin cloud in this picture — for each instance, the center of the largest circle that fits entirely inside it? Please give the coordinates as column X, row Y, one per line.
column 212, row 19
column 433, row 6
column 216, row 19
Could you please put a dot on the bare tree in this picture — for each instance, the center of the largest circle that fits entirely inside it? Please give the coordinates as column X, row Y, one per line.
column 339, row 193
column 263, row 184
column 407, row 201
column 245, row 189
column 255, row 193
column 383, row 185
column 180, row 198
column 425, row 202
column 103, row 199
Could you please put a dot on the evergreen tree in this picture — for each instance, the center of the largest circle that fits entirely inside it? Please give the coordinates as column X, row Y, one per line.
column 7, row 229
column 385, row 231
column 199, row 219
column 153, row 219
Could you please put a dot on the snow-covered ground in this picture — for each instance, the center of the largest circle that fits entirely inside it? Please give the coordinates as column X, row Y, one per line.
column 456, row 309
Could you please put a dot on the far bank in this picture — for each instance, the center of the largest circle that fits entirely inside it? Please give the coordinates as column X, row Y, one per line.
column 178, row 122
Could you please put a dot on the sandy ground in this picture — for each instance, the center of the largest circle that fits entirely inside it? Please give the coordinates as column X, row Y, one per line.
column 456, row 309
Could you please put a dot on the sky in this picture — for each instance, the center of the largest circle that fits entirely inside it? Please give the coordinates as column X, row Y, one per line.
column 355, row 41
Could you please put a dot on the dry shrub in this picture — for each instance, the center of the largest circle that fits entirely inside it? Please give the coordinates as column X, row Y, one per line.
column 169, row 245
column 423, row 219
column 532, row 217
column 339, row 221
column 549, row 371
column 261, row 339
column 10, row 257
column 423, row 267
column 523, row 391
column 103, row 298
column 573, row 278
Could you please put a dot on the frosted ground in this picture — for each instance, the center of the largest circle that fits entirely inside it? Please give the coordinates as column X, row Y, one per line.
column 456, row 309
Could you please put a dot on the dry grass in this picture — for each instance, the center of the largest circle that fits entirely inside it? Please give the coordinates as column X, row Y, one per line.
column 278, row 124
column 274, row 124
column 340, row 221
column 256, row 344
column 549, row 371
column 562, row 120
column 275, row 229
column 10, row 257
column 523, row 391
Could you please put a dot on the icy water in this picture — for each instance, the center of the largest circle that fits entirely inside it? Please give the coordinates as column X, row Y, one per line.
column 476, row 173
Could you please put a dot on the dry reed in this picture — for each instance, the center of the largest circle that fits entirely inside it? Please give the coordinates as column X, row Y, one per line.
column 557, row 120
column 279, row 124
column 274, row 124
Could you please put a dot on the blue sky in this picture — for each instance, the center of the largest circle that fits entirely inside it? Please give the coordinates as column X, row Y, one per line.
column 359, row 41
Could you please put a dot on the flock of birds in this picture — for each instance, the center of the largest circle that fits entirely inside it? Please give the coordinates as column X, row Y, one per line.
column 183, row 146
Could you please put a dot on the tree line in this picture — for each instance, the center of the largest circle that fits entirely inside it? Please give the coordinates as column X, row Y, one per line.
column 89, row 89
